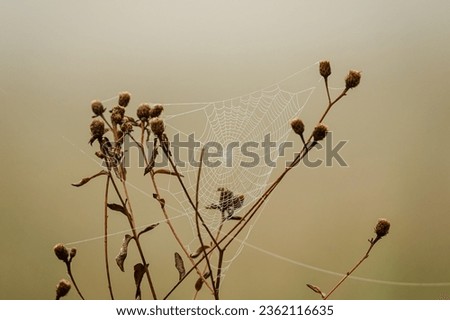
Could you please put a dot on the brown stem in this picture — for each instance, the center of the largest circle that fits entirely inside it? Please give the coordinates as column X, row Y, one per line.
column 372, row 243
column 69, row 272
column 108, row 276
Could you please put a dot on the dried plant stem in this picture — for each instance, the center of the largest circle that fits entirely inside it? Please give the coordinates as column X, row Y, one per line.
column 133, row 230
column 372, row 244
column 69, row 272
column 108, row 275
column 197, row 217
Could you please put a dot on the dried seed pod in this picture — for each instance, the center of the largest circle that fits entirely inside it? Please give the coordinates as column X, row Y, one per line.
column 124, row 98
column 73, row 252
column 156, row 111
column 352, row 79
column 62, row 288
column 143, row 111
column 61, row 252
column 97, row 107
column 320, row 132
column 97, row 128
column 298, row 126
column 127, row 126
column 157, row 126
column 382, row 228
column 117, row 114
column 324, row 68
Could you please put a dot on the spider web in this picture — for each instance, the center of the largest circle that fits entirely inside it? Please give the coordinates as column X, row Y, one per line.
column 241, row 138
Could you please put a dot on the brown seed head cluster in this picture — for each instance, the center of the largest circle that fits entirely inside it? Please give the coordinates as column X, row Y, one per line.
column 117, row 114
column 143, row 112
column 62, row 288
column 157, row 126
column 382, row 228
column 325, row 69
column 320, row 132
column 97, row 107
column 97, row 128
column 124, row 99
column 61, row 252
column 156, row 111
column 352, row 79
column 298, row 126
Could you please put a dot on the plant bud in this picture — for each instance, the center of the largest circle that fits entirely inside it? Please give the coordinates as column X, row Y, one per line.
column 73, row 252
column 298, row 126
column 143, row 112
column 97, row 107
column 320, row 132
column 126, row 127
column 352, row 79
column 156, row 110
column 61, row 252
column 382, row 228
column 124, row 99
column 157, row 126
column 117, row 114
column 324, row 68
column 97, row 128
column 62, row 288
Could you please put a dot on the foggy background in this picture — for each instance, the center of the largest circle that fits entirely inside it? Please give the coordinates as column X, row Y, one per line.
column 56, row 56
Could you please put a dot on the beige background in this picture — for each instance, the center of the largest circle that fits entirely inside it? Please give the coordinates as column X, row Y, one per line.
column 56, row 56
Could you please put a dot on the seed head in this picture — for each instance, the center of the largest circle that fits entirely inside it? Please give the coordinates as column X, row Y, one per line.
column 325, row 68
column 298, row 126
column 62, row 288
column 124, row 99
column 320, row 132
column 97, row 128
column 61, row 252
column 157, row 126
column 126, row 127
column 156, row 110
column 382, row 228
column 352, row 79
column 97, row 107
column 143, row 112
column 73, row 252
column 117, row 114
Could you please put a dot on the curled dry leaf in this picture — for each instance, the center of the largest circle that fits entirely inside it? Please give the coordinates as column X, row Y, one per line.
column 166, row 171
column 120, row 259
column 199, row 251
column 179, row 264
column 117, row 207
column 161, row 201
column 139, row 271
column 316, row 289
column 86, row 180
column 199, row 284
column 149, row 228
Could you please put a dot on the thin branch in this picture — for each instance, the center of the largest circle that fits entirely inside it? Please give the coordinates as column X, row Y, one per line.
column 108, row 276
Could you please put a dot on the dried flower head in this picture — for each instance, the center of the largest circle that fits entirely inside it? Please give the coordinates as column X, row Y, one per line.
column 156, row 111
column 97, row 128
column 382, row 228
column 61, row 252
column 298, row 126
column 62, row 288
column 352, row 79
column 124, row 99
column 126, row 126
column 117, row 114
column 157, row 126
column 143, row 112
column 325, row 68
column 73, row 252
column 320, row 132
column 97, row 107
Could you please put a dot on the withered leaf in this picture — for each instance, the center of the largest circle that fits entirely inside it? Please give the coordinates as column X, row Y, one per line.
column 139, row 271
column 235, row 218
column 148, row 168
column 199, row 284
column 120, row 259
column 153, row 226
column 161, row 201
column 166, row 171
column 86, row 180
column 316, row 289
column 117, row 207
column 179, row 264
column 199, row 251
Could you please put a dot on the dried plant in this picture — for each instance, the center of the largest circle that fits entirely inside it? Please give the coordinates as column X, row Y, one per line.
column 108, row 134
